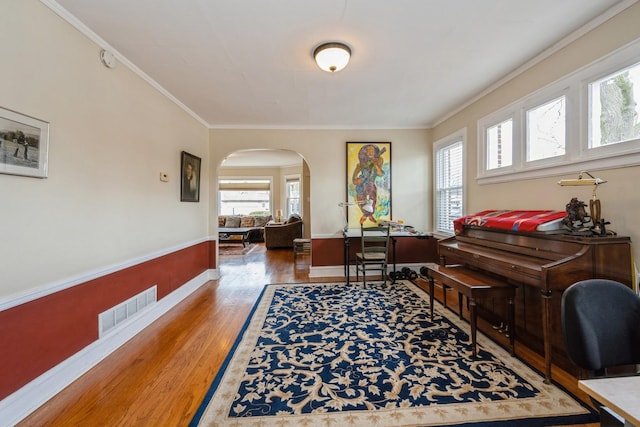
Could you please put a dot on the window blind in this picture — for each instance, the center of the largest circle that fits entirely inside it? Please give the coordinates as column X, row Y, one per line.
column 449, row 185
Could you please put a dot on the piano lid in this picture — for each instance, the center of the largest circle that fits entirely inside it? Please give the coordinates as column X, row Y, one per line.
column 512, row 220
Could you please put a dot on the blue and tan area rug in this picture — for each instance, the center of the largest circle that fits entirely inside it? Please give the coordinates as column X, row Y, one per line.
column 338, row 355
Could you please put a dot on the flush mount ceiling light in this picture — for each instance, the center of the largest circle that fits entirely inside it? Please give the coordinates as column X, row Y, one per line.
column 332, row 57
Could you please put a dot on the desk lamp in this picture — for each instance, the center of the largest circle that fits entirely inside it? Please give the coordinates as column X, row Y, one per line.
column 367, row 205
column 594, row 204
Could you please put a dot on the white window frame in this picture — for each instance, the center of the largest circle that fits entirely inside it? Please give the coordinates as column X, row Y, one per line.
column 578, row 156
column 287, row 179
column 454, row 138
column 240, row 178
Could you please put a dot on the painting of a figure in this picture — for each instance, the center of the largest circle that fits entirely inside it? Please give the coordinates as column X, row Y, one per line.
column 368, row 183
column 190, row 172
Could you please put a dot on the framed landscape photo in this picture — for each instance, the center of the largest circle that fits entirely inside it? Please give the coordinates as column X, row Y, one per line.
column 24, row 144
column 368, row 183
column 190, row 178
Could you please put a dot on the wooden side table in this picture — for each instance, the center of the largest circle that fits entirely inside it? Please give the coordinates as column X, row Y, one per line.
column 301, row 246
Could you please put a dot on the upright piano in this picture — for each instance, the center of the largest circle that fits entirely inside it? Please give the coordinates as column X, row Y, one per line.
column 540, row 266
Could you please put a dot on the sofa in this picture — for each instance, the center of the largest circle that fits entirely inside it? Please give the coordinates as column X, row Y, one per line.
column 255, row 222
column 281, row 235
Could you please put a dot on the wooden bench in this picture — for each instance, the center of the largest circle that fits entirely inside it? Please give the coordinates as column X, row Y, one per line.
column 472, row 284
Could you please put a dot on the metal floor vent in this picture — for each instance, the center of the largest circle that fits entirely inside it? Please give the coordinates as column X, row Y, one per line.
column 109, row 319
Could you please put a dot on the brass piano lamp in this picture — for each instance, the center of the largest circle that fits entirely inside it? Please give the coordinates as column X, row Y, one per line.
column 594, row 204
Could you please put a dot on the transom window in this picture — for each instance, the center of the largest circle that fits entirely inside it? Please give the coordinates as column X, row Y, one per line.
column 546, row 130
column 615, row 108
column 500, row 145
column 588, row 120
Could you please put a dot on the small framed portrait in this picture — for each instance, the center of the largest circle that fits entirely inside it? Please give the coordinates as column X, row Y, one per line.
column 24, row 144
column 190, row 178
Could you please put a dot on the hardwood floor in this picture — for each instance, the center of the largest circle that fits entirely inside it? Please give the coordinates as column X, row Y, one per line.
column 160, row 377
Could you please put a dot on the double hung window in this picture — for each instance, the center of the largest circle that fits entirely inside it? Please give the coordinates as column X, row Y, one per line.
column 449, row 181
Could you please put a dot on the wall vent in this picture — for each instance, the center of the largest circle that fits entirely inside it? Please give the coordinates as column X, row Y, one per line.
column 111, row 318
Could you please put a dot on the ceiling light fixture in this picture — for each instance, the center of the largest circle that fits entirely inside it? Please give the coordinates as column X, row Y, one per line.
column 332, row 57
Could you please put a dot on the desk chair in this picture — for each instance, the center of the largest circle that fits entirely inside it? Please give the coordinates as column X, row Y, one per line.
column 374, row 252
column 601, row 328
column 601, row 325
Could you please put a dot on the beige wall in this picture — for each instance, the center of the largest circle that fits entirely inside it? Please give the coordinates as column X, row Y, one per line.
column 324, row 152
column 620, row 198
column 111, row 134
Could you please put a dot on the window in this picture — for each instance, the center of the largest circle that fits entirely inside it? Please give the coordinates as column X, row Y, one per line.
column 615, row 108
column 546, row 126
column 449, row 181
column 244, row 196
column 293, row 195
column 588, row 120
column 500, row 145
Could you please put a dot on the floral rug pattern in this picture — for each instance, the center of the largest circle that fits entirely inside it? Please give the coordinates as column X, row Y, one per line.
column 332, row 354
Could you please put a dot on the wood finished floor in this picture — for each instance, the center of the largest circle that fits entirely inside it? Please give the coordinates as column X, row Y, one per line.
column 160, row 377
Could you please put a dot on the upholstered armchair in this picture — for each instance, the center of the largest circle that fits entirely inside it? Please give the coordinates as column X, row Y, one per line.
column 282, row 235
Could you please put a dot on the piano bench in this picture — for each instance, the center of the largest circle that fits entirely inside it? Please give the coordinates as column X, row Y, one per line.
column 472, row 284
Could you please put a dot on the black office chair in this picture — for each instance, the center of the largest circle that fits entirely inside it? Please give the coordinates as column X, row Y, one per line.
column 374, row 252
column 601, row 325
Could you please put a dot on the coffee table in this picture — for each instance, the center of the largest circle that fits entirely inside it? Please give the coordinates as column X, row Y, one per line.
column 225, row 233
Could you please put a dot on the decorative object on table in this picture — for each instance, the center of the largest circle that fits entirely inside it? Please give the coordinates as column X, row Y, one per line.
column 190, row 173
column 365, row 206
column 577, row 219
column 332, row 354
column 368, row 182
column 595, row 207
column 24, row 144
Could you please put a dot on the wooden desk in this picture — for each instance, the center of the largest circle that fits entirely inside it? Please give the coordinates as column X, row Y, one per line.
column 353, row 233
column 620, row 394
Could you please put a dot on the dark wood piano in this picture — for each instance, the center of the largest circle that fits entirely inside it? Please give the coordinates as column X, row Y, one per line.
column 540, row 266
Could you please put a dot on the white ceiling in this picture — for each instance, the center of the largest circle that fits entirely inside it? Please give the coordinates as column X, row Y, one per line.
column 248, row 63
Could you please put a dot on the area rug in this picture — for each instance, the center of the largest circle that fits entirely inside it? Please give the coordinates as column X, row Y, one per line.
column 235, row 248
column 344, row 355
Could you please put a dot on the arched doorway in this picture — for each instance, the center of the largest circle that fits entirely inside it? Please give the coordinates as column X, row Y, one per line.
column 264, row 182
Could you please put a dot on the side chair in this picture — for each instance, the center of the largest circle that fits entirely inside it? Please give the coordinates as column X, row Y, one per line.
column 374, row 252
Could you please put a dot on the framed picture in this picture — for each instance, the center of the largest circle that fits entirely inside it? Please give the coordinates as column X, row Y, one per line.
column 368, row 183
column 24, row 144
column 190, row 178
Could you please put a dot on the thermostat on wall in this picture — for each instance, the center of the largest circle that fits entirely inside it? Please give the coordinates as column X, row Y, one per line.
column 107, row 58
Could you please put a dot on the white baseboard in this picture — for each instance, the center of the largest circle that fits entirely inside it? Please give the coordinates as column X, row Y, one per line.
column 30, row 397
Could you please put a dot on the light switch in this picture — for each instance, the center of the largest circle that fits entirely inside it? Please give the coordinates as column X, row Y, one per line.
column 164, row 177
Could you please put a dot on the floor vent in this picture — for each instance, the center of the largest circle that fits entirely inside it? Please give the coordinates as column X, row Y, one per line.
column 111, row 318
